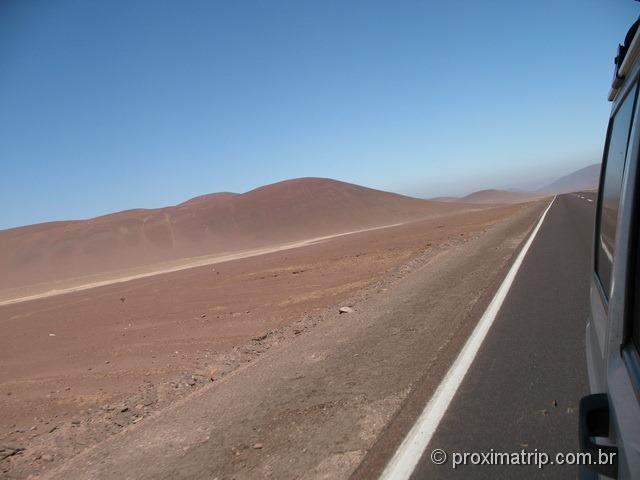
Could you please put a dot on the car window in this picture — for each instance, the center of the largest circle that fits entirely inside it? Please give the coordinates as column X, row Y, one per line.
column 633, row 325
column 635, row 321
column 610, row 190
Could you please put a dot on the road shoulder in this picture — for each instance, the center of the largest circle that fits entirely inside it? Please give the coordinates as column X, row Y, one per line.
column 314, row 406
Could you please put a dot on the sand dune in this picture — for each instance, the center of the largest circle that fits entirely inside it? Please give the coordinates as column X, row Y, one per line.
column 288, row 211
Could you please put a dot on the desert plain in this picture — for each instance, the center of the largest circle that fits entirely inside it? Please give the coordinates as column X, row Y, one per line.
column 81, row 363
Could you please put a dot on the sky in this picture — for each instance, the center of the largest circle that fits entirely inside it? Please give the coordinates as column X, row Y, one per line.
column 106, row 106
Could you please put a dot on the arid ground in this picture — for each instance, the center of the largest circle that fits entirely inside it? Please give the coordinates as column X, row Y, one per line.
column 79, row 367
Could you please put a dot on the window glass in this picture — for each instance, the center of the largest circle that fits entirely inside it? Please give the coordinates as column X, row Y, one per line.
column 635, row 326
column 634, row 329
column 610, row 190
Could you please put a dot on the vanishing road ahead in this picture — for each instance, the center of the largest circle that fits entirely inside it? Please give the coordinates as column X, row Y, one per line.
column 523, row 389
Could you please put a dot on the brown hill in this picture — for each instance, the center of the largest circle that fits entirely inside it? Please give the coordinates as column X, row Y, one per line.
column 584, row 179
column 444, row 199
column 287, row 211
column 499, row 196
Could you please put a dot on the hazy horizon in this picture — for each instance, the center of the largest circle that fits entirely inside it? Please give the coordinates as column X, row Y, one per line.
column 534, row 184
column 105, row 111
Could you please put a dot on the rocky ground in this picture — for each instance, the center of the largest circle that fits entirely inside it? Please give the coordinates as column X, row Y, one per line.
column 84, row 398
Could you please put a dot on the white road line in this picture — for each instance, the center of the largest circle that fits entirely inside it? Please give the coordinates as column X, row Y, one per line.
column 192, row 262
column 410, row 451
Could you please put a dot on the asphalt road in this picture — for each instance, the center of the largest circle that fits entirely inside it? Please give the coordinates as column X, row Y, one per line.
column 523, row 389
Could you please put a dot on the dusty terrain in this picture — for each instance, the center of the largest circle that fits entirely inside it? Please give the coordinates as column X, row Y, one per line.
column 77, row 284
column 79, row 367
column 322, row 403
column 288, row 211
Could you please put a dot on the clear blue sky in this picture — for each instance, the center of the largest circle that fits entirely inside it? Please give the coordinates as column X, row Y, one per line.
column 112, row 105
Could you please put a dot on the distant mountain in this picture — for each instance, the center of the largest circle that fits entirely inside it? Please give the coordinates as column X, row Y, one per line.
column 282, row 212
column 583, row 179
column 498, row 196
column 492, row 196
column 444, row 199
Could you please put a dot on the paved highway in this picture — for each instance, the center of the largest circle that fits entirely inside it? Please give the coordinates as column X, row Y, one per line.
column 524, row 385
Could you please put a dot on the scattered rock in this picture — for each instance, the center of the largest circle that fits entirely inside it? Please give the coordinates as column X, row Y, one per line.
column 257, row 446
column 122, row 299
column 191, row 382
column 47, row 458
column 52, row 334
column 213, row 374
column 107, row 362
column 9, row 452
column 554, row 403
column 67, row 388
column 203, row 315
column 124, row 409
column 345, row 310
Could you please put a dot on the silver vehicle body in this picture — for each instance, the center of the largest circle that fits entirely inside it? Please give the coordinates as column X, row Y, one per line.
column 612, row 344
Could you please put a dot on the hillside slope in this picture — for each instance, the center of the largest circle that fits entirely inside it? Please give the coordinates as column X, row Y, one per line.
column 498, row 196
column 583, row 179
column 282, row 212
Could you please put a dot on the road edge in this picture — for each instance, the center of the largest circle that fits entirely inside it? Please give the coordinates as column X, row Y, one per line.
column 416, row 441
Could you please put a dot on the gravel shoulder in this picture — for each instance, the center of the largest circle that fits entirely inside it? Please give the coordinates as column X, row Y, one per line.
column 315, row 400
